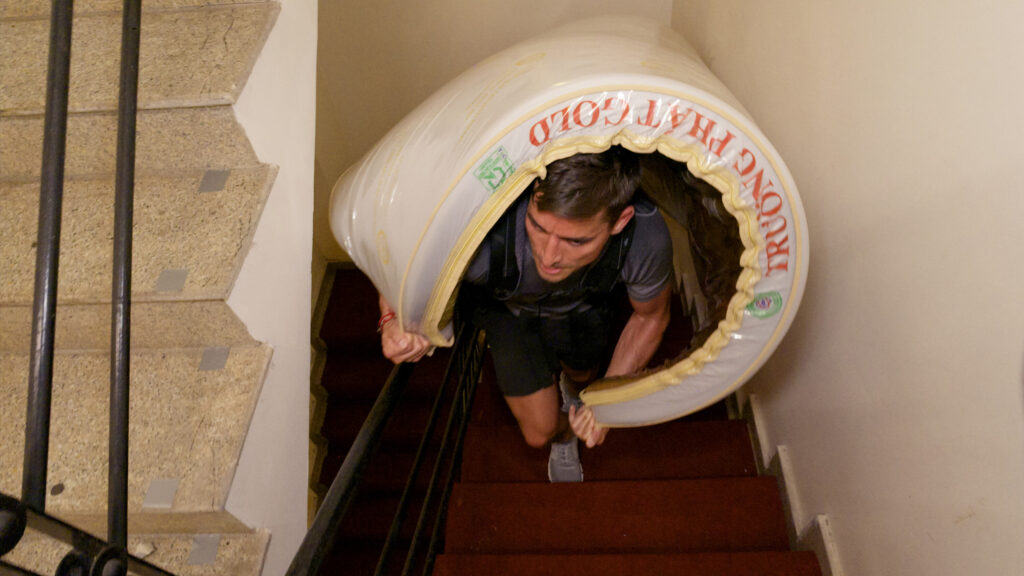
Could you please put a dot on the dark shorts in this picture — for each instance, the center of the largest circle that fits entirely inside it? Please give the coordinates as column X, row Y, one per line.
column 528, row 350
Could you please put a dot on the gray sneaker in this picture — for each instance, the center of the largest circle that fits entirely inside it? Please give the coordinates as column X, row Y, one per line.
column 570, row 395
column 564, row 462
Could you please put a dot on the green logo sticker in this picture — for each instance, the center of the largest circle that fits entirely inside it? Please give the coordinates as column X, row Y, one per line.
column 765, row 304
column 495, row 169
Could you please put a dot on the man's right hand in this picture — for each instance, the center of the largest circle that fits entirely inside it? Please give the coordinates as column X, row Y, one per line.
column 401, row 346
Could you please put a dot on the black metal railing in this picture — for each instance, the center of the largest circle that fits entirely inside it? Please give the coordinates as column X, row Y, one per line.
column 89, row 555
column 463, row 369
column 94, row 556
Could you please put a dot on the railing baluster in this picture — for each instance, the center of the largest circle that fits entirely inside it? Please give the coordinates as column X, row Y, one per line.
column 44, row 312
column 120, row 332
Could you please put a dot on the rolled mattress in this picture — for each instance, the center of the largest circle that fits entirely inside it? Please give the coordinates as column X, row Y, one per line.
column 414, row 210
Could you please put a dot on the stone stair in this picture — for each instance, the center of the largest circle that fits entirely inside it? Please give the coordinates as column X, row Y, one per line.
column 196, row 372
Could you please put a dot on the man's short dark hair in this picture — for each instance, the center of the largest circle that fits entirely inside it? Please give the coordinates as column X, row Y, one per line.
column 583, row 185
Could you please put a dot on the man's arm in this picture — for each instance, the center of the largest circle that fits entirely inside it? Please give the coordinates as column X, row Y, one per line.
column 397, row 344
column 642, row 335
column 637, row 344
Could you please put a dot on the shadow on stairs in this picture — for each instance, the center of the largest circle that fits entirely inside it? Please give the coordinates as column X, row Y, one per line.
column 680, row 498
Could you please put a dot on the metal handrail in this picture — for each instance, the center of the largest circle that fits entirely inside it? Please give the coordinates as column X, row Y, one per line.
column 121, row 286
column 464, row 364
column 89, row 554
column 44, row 307
column 460, row 412
column 319, row 539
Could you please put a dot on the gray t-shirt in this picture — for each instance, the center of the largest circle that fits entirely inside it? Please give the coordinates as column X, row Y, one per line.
column 646, row 271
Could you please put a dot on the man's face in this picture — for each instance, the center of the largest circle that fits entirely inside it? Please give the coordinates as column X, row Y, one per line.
column 562, row 246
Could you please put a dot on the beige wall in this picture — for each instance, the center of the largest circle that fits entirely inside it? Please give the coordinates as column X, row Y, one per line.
column 899, row 388
column 272, row 292
column 380, row 58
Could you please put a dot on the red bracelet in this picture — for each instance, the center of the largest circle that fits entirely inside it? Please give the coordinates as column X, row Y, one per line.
column 384, row 319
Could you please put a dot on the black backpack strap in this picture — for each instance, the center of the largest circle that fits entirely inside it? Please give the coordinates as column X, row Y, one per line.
column 503, row 274
column 604, row 274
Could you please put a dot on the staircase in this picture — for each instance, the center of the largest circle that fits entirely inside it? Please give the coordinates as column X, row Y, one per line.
column 679, row 498
column 196, row 373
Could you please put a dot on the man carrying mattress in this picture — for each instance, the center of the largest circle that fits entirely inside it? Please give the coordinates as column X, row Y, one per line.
column 541, row 287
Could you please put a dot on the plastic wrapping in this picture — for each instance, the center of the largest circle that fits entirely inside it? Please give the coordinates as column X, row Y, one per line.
column 414, row 210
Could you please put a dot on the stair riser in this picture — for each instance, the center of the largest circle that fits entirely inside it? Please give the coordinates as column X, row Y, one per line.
column 682, row 450
column 739, row 564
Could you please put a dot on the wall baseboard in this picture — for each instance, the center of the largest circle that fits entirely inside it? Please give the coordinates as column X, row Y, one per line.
column 816, row 536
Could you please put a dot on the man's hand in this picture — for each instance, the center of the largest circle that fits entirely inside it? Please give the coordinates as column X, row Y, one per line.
column 401, row 346
column 398, row 345
column 585, row 426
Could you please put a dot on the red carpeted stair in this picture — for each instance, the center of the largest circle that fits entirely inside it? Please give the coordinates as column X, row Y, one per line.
column 680, row 498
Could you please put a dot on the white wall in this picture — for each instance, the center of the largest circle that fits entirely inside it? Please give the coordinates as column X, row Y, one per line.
column 899, row 388
column 272, row 292
column 380, row 58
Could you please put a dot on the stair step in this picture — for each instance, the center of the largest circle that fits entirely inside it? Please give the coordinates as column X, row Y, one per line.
column 372, row 518
column 155, row 325
column 680, row 449
column 717, row 564
column 207, row 138
column 188, row 244
column 41, row 8
column 490, row 409
column 356, row 374
column 345, row 324
column 359, row 557
column 388, row 472
column 181, row 554
column 188, row 57
column 701, row 515
column 343, row 421
column 190, row 411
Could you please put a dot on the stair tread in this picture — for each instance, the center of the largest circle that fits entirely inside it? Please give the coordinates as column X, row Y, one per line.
column 41, row 8
column 236, row 553
column 177, row 229
column 155, row 325
column 700, row 564
column 168, row 140
column 721, row 514
column 188, row 423
column 179, row 64
column 683, row 449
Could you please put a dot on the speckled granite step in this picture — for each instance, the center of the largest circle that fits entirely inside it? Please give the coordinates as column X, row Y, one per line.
column 188, row 57
column 192, row 231
column 155, row 325
column 190, row 411
column 174, row 140
column 19, row 9
column 235, row 554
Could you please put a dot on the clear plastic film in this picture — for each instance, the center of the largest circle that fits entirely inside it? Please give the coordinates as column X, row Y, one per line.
column 414, row 210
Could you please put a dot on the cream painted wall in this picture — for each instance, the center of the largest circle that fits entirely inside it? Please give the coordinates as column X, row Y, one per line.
column 380, row 58
column 899, row 388
column 272, row 292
